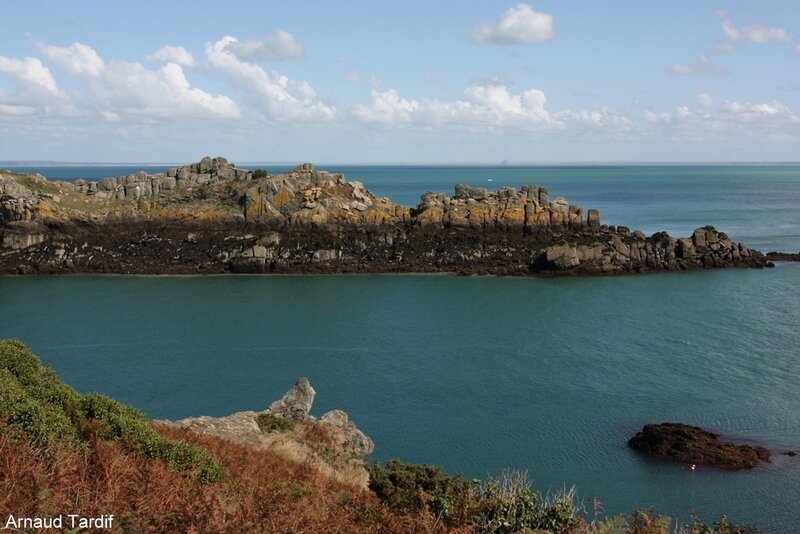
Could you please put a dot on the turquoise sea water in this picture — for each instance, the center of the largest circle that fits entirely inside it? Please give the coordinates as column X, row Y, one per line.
column 483, row 373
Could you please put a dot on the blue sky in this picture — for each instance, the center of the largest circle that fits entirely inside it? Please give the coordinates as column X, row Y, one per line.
column 411, row 82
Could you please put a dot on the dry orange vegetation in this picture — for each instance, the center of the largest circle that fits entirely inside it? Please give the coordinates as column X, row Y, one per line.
column 260, row 492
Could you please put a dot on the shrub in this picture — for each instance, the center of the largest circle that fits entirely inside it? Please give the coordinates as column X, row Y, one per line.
column 259, row 173
column 34, row 400
column 272, row 423
column 412, row 488
column 46, row 424
column 506, row 504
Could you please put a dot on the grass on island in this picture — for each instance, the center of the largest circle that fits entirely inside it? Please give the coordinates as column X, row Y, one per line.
column 63, row 452
column 35, row 184
column 271, row 423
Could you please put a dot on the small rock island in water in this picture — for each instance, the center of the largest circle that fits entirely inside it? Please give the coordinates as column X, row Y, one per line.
column 693, row 445
column 212, row 217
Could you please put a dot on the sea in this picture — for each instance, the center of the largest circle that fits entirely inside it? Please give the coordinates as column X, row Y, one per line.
column 480, row 374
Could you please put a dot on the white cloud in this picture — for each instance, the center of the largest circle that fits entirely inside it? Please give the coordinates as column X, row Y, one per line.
column 678, row 68
column 77, row 59
column 121, row 87
column 604, row 119
column 756, row 33
column 520, row 24
column 729, row 118
column 29, row 75
column 173, row 54
column 280, row 98
column 493, row 108
column 481, row 106
column 279, row 46
column 35, row 89
column 651, row 117
column 387, row 108
column 487, row 107
column 17, row 110
column 701, row 65
column 162, row 93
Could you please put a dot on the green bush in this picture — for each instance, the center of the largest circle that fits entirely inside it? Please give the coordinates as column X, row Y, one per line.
column 33, row 399
column 259, row 173
column 411, row 488
column 45, row 423
column 506, row 505
column 272, row 423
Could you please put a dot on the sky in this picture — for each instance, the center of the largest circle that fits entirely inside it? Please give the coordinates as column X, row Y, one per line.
column 409, row 82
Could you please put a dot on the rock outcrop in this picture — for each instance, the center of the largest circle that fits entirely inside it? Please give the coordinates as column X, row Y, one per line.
column 295, row 405
column 211, row 217
column 783, row 256
column 693, row 445
column 333, row 444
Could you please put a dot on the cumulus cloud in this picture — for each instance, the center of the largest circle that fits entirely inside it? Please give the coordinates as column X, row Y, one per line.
column 35, row 88
column 727, row 117
column 77, row 59
column 29, row 75
column 279, row 46
column 520, row 24
column 484, row 107
column 121, row 87
column 755, row 33
column 278, row 97
column 161, row 93
column 604, row 119
column 387, row 108
column 481, row 105
column 173, row 54
column 701, row 65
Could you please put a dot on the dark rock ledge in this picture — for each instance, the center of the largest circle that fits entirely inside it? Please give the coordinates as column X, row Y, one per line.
column 693, row 445
column 783, row 256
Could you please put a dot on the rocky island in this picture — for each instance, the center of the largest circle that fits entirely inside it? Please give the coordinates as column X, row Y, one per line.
column 693, row 445
column 212, row 217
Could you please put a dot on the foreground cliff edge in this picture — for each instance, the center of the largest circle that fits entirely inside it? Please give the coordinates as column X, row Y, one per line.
column 212, row 217
column 65, row 456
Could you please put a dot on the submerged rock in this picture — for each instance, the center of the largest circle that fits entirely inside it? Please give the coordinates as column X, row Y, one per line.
column 694, row 445
column 783, row 256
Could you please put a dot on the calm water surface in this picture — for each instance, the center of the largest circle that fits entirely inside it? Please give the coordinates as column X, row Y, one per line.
column 483, row 373
column 474, row 373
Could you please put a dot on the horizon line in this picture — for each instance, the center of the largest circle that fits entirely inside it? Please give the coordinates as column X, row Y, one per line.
column 505, row 163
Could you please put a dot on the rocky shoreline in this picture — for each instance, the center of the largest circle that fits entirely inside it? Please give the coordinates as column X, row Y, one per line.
column 211, row 217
